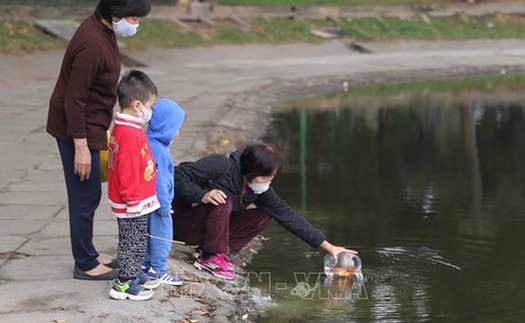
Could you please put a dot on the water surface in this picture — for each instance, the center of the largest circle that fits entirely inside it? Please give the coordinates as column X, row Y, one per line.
column 426, row 180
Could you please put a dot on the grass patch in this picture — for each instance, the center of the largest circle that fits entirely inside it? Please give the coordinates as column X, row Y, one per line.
column 19, row 36
column 163, row 34
column 453, row 28
column 374, row 29
column 478, row 28
column 283, row 31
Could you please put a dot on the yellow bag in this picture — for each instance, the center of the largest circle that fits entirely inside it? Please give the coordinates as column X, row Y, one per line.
column 104, row 162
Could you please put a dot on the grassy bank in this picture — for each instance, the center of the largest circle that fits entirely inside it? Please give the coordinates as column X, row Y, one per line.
column 157, row 33
column 20, row 36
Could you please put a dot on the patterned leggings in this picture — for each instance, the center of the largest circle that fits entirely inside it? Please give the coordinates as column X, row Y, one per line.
column 132, row 243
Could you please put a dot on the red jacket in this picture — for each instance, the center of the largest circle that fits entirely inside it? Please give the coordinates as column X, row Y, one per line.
column 132, row 177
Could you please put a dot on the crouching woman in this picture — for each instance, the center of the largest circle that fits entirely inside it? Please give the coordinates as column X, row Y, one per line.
column 213, row 206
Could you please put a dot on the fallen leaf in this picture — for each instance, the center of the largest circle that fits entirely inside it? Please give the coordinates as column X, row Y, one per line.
column 190, row 278
column 224, row 142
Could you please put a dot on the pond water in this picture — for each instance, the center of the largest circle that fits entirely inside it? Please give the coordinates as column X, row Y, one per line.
column 426, row 181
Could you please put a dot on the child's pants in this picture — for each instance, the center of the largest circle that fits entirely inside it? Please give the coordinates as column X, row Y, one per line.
column 132, row 243
column 159, row 246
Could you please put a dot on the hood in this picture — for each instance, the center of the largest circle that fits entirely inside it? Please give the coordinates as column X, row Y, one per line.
column 236, row 155
column 166, row 120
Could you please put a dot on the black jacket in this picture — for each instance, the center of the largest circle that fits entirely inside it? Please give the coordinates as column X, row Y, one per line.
column 194, row 179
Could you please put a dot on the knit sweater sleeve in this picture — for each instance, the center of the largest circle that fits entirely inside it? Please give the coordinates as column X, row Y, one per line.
column 85, row 65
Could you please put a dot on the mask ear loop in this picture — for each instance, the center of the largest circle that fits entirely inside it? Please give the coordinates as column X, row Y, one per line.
column 139, row 111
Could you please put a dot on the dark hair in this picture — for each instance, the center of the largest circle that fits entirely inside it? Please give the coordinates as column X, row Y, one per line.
column 260, row 160
column 135, row 85
column 122, row 8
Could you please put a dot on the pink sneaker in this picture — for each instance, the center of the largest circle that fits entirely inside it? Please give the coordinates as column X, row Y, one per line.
column 216, row 266
column 231, row 266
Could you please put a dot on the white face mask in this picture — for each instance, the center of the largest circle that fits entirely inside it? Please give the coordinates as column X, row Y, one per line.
column 259, row 188
column 145, row 113
column 124, row 28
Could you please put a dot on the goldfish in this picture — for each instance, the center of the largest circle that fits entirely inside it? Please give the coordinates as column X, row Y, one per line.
column 343, row 271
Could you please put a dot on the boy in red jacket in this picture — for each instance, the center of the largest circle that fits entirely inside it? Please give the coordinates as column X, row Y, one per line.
column 132, row 183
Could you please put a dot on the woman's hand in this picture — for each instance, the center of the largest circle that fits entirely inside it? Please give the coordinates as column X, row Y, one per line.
column 214, row 197
column 82, row 159
column 335, row 250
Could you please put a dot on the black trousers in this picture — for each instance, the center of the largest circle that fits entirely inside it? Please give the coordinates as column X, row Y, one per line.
column 83, row 199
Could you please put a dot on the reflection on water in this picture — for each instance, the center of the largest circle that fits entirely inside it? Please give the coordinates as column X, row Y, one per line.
column 428, row 184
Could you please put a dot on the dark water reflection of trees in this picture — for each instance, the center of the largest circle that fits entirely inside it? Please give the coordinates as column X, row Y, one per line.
column 442, row 171
column 463, row 153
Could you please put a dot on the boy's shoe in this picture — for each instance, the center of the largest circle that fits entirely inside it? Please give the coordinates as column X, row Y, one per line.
column 164, row 277
column 216, row 266
column 147, row 281
column 132, row 289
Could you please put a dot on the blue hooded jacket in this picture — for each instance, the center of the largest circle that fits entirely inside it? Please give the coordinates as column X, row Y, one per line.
column 166, row 120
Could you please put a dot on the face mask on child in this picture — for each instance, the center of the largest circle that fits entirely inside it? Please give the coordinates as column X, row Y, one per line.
column 259, row 188
column 144, row 114
column 124, row 28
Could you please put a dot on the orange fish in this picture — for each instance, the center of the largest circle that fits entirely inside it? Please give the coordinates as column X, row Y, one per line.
column 341, row 271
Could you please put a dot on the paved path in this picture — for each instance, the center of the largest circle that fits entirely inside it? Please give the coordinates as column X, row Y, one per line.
column 35, row 263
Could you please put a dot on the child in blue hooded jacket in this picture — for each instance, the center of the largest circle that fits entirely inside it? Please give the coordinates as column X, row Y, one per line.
column 164, row 126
